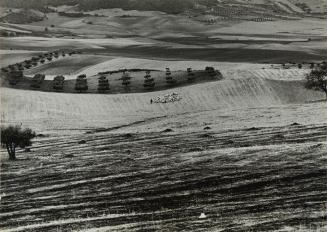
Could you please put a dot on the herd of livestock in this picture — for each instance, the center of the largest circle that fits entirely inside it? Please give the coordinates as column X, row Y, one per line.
column 173, row 97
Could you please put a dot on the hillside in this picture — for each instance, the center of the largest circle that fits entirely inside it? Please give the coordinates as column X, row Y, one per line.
column 179, row 6
column 259, row 179
column 238, row 89
column 317, row 6
column 22, row 16
column 247, row 151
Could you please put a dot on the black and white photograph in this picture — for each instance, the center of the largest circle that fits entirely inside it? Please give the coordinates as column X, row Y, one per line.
column 163, row 115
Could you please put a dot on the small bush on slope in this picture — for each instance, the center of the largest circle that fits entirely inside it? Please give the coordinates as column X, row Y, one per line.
column 14, row 136
column 317, row 79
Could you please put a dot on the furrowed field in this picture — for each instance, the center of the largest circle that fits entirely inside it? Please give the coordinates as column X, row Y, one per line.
column 233, row 141
column 248, row 151
column 243, row 180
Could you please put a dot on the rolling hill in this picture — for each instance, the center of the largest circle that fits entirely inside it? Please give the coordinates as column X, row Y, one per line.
column 238, row 89
column 247, row 151
column 178, row 6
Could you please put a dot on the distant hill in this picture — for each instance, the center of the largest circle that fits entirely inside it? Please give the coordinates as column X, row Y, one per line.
column 170, row 6
column 312, row 6
column 176, row 6
column 22, row 16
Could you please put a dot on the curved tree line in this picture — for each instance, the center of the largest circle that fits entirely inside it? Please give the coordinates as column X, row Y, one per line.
column 14, row 72
column 81, row 84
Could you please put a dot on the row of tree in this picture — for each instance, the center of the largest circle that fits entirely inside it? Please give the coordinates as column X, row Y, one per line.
column 14, row 72
column 149, row 82
column 35, row 60
column 311, row 65
column 103, row 83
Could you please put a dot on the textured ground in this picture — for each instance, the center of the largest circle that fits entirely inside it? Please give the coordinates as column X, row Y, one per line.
column 254, row 179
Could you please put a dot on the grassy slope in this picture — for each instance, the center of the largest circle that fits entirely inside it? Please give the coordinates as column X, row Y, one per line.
column 261, row 180
column 62, row 111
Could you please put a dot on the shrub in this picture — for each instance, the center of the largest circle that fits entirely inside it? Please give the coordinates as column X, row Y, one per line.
column 15, row 136
column 126, row 77
column 15, row 76
column 317, row 79
column 190, row 74
column 103, row 84
column 148, row 81
column 81, row 83
column 169, row 79
column 37, row 80
column 58, row 83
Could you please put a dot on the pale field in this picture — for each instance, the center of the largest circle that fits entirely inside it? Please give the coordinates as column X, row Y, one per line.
column 153, row 33
column 156, row 25
column 301, row 28
column 319, row 6
column 159, row 49
column 14, row 30
column 288, row 6
column 174, row 65
column 70, row 66
column 44, row 42
column 7, row 52
column 261, row 89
